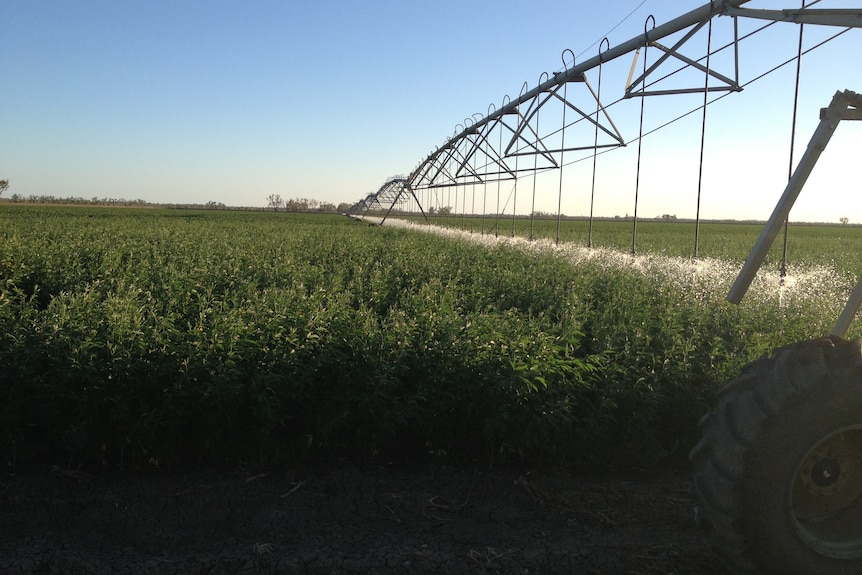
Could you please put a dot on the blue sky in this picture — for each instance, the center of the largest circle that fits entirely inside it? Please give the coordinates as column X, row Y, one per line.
column 224, row 101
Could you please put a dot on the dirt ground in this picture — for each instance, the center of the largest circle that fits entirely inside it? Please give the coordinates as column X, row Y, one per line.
column 343, row 519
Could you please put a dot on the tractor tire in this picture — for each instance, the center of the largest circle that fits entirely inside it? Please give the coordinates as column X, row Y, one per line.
column 778, row 470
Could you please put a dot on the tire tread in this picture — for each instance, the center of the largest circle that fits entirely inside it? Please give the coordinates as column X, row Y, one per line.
column 745, row 407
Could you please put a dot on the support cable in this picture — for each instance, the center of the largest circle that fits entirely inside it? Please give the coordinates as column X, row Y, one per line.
column 524, row 89
column 450, row 211
column 482, row 140
column 563, row 145
column 463, row 142
column 491, row 107
column 448, row 208
column 535, row 165
column 783, row 267
column 596, row 141
column 497, row 219
column 468, row 158
column 475, row 166
column 472, row 195
column 618, row 24
column 640, row 144
column 702, row 140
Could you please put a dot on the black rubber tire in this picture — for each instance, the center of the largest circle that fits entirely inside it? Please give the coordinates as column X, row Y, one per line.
column 778, row 470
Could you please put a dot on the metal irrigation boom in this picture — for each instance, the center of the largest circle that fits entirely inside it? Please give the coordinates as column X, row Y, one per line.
column 475, row 153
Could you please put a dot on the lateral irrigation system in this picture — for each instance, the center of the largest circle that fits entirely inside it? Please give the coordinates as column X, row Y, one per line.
column 509, row 143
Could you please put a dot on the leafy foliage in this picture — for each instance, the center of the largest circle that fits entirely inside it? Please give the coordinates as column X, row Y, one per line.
column 137, row 338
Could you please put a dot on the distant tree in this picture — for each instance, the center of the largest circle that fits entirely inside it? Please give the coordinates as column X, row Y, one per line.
column 445, row 210
column 296, row 205
column 4, row 185
column 275, row 201
column 343, row 207
column 844, row 220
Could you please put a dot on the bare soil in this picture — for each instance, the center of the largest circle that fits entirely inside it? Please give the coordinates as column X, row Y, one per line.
column 344, row 519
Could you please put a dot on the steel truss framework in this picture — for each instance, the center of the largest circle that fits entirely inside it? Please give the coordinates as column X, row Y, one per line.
column 510, row 141
column 392, row 194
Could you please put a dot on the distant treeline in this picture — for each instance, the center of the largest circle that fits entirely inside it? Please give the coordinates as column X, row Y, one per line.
column 304, row 205
column 94, row 201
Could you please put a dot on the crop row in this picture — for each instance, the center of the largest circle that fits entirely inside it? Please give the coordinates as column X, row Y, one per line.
column 807, row 244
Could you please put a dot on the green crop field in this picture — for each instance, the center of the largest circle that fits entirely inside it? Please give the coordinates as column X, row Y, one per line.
column 158, row 338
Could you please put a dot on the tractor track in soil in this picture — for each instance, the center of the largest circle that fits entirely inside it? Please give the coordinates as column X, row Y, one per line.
column 343, row 519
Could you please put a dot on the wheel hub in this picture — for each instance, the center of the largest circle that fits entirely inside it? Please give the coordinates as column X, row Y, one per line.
column 821, row 474
column 825, row 497
column 826, row 473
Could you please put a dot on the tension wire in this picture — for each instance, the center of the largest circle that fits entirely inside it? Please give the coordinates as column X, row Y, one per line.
column 783, row 267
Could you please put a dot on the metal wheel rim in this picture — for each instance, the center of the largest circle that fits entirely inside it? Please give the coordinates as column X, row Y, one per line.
column 826, row 495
